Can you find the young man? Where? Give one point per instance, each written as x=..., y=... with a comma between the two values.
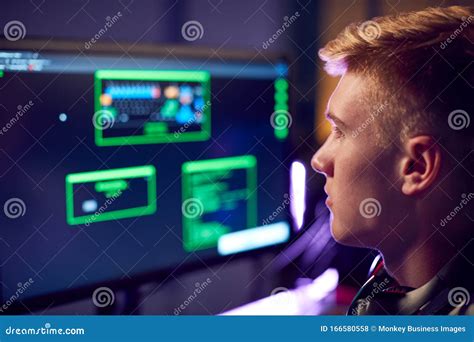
x=399, y=161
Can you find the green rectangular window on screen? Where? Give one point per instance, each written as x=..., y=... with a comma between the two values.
x=105, y=195
x=151, y=106
x=219, y=197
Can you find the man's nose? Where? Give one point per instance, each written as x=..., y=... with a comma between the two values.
x=322, y=162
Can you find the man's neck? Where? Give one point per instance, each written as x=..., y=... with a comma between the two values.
x=418, y=264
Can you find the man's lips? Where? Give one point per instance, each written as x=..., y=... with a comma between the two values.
x=328, y=202
x=328, y=199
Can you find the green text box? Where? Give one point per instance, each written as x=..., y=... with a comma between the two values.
x=199, y=234
x=115, y=178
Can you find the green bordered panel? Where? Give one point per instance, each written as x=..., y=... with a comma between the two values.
x=281, y=117
x=151, y=106
x=107, y=194
x=219, y=196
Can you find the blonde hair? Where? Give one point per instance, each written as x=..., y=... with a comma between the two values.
x=420, y=64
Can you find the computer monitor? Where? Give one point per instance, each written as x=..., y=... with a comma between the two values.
x=122, y=164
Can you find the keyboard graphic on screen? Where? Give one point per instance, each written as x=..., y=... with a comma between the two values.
x=149, y=107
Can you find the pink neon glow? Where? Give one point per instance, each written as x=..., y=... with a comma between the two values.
x=309, y=299
x=297, y=192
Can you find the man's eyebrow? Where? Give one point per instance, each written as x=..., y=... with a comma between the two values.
x=331, y=117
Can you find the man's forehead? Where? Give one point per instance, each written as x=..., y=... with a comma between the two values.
x=347, y=98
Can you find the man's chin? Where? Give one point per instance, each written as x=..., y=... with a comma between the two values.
x=345, y=236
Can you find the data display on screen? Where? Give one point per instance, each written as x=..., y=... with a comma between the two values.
x=118, y=168
x=110, y=194
x=219, y=196
x=148, y=107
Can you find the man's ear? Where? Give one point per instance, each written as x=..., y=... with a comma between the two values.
x=421, y=164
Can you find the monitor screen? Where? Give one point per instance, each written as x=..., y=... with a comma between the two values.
x=115, y=165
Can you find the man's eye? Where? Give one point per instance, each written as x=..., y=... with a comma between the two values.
x=337, y=132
